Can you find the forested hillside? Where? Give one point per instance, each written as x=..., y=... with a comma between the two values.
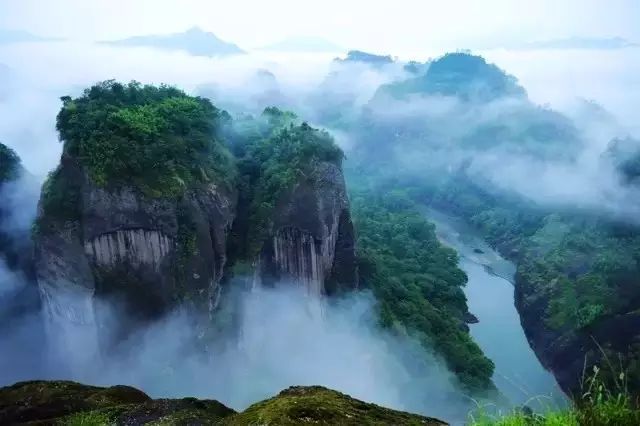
x=577, y=266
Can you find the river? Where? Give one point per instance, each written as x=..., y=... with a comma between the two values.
x=519, y=375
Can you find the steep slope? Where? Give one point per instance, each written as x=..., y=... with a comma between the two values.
x=418, y=283
x=576, y=281
x=73, y=403
x=20, y=323
x=295, y=221
x=137, y=212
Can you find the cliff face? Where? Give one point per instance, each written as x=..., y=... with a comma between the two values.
x=134, y=222
x=148, y=255
x=312, y=242
x=20, y=323
x=571, y=354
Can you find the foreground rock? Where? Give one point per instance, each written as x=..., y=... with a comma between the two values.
x=63, y=402
x=318, y=405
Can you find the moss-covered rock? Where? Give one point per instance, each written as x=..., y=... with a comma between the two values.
x=186, y=411
x=70, y=403
x=44, y=401
x=319, y=405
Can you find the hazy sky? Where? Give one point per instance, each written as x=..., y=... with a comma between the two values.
x=367, y=24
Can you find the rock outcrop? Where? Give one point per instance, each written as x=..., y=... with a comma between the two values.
x=570, y=355
x=134, y=222
x=62, y=402
x=148, y=255
x=313, y=241
x=20, y=323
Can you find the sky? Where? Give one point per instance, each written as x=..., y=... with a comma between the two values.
x=379, y=26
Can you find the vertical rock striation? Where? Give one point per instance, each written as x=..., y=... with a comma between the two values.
x=313, y=240
x=144, y=255
x=137, y=247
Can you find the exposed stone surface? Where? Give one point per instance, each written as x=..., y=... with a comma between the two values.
x=313, y=239
x=570, y=354
x=136, y=246
x=63, y=402
x=147, y=254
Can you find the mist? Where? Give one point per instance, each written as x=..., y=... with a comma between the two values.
x=283, y=342
x=285, y=337
x=498, y=144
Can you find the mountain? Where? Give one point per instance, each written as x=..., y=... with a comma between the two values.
x=304, y=44
x=365, y=58
x=463, y=75
x=122, y=228
x=194, y=41
x=19, y=36
x=468, y=130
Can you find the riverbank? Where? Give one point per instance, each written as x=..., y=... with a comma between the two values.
x=519, y=375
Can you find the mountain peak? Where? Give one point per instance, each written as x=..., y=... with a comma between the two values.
x=194, y=41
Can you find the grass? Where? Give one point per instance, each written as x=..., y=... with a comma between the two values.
x=605, y=401
x=88, y=418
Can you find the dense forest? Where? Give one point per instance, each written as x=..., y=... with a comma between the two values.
x=417, y=282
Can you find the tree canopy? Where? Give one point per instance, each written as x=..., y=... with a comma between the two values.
x=156, y=138
x=9, y=163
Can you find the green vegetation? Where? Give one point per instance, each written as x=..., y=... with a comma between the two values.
x=417, y=282
x=156, y=138
x=625, y=156
x=60, y=198
x=577, y=272
x=88, y=418
x=459, y=74
x=9, y=163
x=598, y=405
x=74, y=404
x=186, y=247
x=583, y=269
x=274, y=152
x=318, y=405
x=587, y=265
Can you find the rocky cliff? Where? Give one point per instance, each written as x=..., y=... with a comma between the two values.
x=294, y=222
x=312, y=242
x=125, y=238
x=134, y=222
x=41, y=402
x=146, y=254
x=20, y=325
x=612, y=344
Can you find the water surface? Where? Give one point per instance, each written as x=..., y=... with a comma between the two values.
x=519, y=375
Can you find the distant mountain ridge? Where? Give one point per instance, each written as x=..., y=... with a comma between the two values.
x=366, y=57
x=194, y=41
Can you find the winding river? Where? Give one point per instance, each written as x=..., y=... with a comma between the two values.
x=490, y=296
